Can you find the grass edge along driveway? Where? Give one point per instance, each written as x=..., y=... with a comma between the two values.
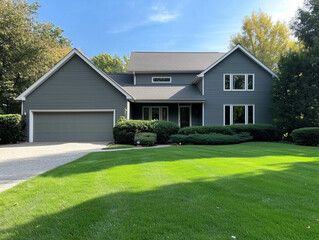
x=250, y=191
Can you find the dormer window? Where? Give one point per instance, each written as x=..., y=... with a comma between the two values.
x=239, y=82
x=161, y=79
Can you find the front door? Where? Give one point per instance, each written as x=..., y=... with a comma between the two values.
x=185, y=116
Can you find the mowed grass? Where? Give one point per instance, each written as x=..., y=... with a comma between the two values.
x=250, y=191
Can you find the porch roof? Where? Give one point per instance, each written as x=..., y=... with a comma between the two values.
x=165, y=93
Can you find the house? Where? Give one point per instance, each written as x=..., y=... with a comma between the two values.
x=76, y=101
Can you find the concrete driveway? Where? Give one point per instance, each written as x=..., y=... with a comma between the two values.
x=19, y=162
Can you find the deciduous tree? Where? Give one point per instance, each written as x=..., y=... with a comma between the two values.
x=264, y=39
x=110, y=64
x=28, y=49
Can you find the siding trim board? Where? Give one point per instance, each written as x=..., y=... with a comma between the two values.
x=32, y=111
x=64, y=60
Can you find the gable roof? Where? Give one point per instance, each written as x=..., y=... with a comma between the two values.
x=169, y=62
x=238, y=46
x=64, y=60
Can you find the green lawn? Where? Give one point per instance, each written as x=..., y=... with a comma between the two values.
x=118, y=146
x=249, y=190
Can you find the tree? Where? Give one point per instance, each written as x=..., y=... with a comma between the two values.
x=296, y=91
x=296, y=100
x=110, y=64
x=306, y=24
x=28, y=49
x=264, y=39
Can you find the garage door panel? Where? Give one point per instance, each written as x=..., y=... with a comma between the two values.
x=73, y=126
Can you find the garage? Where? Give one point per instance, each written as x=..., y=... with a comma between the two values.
x=71, y=125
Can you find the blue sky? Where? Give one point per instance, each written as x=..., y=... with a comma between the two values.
x=119, y=27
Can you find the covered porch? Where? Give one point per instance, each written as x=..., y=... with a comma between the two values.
x=184, y=114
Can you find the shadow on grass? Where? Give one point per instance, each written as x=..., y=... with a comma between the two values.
x=271, y=205
x=95, y=162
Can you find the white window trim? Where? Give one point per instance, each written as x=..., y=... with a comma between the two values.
x=170, y=79
x=31, y=117
x=160, y=112
x=231, y=113
x=231, y=82
x=179, y=114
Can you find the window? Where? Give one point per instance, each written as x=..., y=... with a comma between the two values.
x=239, y=82
x=161, y=79
x=155, y=113
x=239, y=114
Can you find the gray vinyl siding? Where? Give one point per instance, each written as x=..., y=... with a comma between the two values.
x=73, y=126
x=216, y=97
x=76, y=86
x=177, y=78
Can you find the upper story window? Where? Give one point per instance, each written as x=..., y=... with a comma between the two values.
x=239, y=82
x=161, y=79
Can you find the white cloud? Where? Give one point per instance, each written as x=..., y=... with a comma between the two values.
x=163, y=17
x=161, y=14
x=284, y=10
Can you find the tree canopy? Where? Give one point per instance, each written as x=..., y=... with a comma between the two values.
x=28, y=49
x=296, y=91
x=110, y=64
x=264, y=39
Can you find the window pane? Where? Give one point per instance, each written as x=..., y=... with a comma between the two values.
x=155, y=113
x=239, y=114
x=238, y=81
x=250, y=82
x=146, y=113
x=161, y=79
x=250, y=114
x=227, y=81
x=164, y=114
x=227, y=115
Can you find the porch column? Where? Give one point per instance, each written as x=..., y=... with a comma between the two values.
x=203, y=114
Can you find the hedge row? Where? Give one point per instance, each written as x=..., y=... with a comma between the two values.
x=306, y=136
x=12, y=128
x=206, y=130
x=124, y=131
x=211, y=138
x=259, y=132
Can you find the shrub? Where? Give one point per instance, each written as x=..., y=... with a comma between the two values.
x=124, y=132
x=164, y=130
x=259, y=132
x=206, y=130
x=12, y=128
x=145, y=138
x=211, y=139
x=306, y=136
x=121, y=119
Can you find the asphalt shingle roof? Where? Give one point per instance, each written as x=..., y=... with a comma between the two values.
x=165, y=93
x=172, y=61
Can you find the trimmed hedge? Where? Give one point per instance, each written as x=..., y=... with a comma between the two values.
x=124, y=131
x=206, y=130
x=145, y=138
x=164, y=130
x=12, y=128
x=259, y=132
x=211, y=139
x=306, y=136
